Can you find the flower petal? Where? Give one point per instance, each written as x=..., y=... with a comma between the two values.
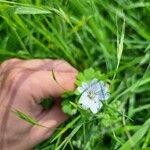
x=95, y=88
x=93, y=81
x=103, y=94
x=92, y=95
x=85, y=85
x=84, y=101
x=82, y=88
x=95, y=107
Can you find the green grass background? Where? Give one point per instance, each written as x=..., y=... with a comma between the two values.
x=110, y=35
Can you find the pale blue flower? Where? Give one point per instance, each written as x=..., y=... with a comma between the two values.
x=92, y=94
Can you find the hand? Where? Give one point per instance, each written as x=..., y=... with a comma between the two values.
x=23, y=85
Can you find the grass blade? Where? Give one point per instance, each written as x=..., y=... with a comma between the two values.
x=137, y=136
x=30, y=10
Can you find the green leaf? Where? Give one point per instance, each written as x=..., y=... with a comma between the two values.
x=68, y=94
x=67, y=107
x=87, y=75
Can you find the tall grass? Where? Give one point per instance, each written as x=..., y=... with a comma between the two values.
x=112, y=36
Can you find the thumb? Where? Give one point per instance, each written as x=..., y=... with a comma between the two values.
x=49, y=83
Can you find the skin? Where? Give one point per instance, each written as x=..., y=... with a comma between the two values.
x=23, y=85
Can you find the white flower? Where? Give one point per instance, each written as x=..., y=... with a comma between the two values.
x=92, y=95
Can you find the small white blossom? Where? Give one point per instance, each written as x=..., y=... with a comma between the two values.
x=92, y=95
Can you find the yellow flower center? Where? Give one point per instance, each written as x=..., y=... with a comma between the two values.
x=91, y=95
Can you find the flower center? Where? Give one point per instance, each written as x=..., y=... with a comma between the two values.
x=91, y=95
